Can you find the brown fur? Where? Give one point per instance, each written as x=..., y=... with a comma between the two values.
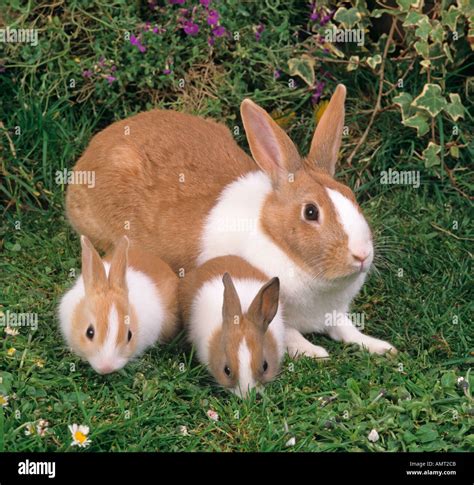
x=102, y=293
x=157, y=185
x=251, y=325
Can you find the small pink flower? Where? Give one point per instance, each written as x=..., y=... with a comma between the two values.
x=87, y=73
x=205, y=3
x=212, y=415
x=219, y=31
x=111, y=79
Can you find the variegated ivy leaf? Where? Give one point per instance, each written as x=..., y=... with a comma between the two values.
x=447, y=51
x=413, y=18
x=426, y=63
x=347, y=17
x=423, y=48
x=304, y=68
x=437, y=32
x=455, y=109
x=430, y=99
x=450, y=17
x=418, y=121
x=404, y=5
x=374, y=61
x=424, y=28
x=430, y=155
x=454, y=151
x=404, y=100
x=353, y=63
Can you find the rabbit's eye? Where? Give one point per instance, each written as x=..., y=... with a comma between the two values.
x=227, y=370
x=90, y=332
x=129, y=336
x=311, y=212
x=265, y=366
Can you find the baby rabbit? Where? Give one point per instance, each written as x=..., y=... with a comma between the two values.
x=118, y=307
x=232, y=316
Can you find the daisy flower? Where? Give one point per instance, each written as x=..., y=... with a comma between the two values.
x=79, y=435
x=3, y=401
x=30, y=429
x=11, y=331
x=11, y=351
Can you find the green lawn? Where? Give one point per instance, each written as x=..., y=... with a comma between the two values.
x=419, y=298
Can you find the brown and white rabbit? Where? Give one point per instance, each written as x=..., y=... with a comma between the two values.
x=119, y=307
x=189, y=194
x=233, y=318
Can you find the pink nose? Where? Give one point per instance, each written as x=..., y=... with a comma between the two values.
x=105, y=369
x=360, y=256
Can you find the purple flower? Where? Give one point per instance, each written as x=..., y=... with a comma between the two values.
x=219, y=31
x=190, y=28
x=213, y=17
x=102, y=61
x=111, y=79
x=205, y=3
x=211, y=40
x=167, y=71
x=136, y=42
x=87, y=73
x=318, y=91
x=276, y=73
x=113, y=68
x=259, y=31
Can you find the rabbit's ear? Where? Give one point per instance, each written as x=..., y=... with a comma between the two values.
x=328, y=135
x=264, y=306
x=271, y=147
x=231, y=309
x=118, y=265
x=93, y=270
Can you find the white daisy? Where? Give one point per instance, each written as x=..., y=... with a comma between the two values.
x=3, y=401
x=79, y=435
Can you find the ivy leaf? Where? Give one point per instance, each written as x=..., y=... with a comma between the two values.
x=413, y=18
x=430, y=99
x=374, y=61
x=430, y=155
x=423, y=48
x=347, y=17
x=454, y=151
x=418, y=121
x=455, y=109
x=404, y=100
x=353, y=63
x=424, y=28
x=304, y=68
x=437, y=33
x=450, y=17
x=404, y=5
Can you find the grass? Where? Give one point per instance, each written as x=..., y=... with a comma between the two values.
x=419, y=298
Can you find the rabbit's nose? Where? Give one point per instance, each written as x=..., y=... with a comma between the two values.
x=361, y=256
x=105, y=368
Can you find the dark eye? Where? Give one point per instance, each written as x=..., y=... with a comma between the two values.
x=311, y=212
x=90, y=332
x=129, y=336
x=265, y=366
x=227, y=370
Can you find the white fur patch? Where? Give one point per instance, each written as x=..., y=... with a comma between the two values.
x=206, y=313
x=354, y=224
x=246, y=379
x=307, y=299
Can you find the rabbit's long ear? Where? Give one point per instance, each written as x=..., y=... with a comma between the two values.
x=264, y=306
x=93, y=271
x=328, y=135
x=118, y=265
x=271, y=147
x=231, y=309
